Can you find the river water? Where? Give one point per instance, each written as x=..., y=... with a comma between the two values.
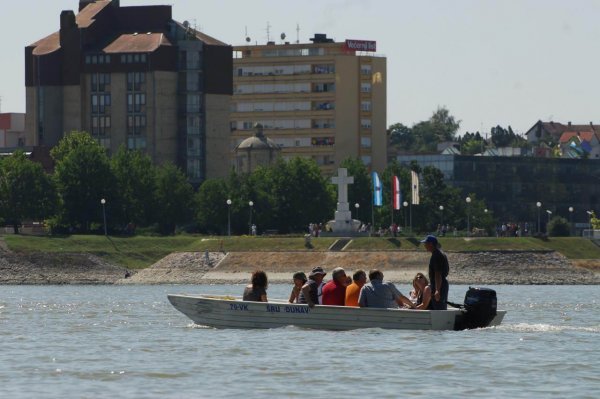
x=128, y=341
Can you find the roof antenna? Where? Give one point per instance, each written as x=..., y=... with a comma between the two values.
x=297, y=33
x=247, y=37
x=268, y=31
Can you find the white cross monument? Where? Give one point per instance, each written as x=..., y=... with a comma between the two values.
x=343, y=216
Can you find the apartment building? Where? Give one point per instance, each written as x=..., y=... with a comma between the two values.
x=323, y=100
x=133, y=76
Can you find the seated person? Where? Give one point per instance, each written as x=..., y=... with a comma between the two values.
x=377, y=294
x=359, y=278
x=311, y=291
x=334, y=292
x=423, y=292
x=299, y=280
x=256, y=291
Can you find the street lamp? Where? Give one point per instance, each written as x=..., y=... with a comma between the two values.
x=228, y=218
x=357, y=205
x=571, y=219
x=103, y=202
x=468, y=199
x=548, y=222
x=405, y=205
x=442, y=216
x=539, y=205
x=251, y=204
x=590, y=214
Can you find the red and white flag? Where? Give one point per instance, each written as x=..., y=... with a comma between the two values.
x=396, y=195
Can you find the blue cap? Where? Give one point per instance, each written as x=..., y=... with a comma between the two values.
x=431, y=239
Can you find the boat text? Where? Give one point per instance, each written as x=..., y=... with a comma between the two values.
x=287, y=309
x=235, y=306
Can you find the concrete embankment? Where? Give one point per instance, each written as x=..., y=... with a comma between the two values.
x=399, y=266
x=235, y=267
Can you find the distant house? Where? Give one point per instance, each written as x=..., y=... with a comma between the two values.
x=12, y=130
x=575, y=144
x=552, y=131
x=504, y=152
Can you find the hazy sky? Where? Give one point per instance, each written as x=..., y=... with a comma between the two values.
x=507, y=62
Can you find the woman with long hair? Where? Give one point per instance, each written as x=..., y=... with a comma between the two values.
x=422, y=291
x=256, y=291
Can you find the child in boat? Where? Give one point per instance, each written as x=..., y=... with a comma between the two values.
x=256, y=291
x=299, y=280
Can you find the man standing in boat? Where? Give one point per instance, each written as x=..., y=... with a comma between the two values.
x=438, y=273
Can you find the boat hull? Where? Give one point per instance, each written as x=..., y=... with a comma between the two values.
x=229, y=312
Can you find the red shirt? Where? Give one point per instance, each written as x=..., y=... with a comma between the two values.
x=334, y=294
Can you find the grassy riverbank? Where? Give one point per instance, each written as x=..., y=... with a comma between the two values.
x=140, y=252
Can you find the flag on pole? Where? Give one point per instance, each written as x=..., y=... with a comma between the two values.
x=396, y=195
x=377, y=196
x=415, y=187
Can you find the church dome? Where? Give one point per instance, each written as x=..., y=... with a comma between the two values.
x=257, y=142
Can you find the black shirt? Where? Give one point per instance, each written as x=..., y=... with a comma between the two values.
x=438, y=263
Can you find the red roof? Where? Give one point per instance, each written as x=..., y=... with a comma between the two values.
x=584, y=136
x=86, y=16
x=137, y=43
x=84, y=19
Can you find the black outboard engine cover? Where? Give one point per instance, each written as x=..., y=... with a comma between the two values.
x=480, y=307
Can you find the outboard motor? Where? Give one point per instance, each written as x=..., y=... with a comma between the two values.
x=480, y=308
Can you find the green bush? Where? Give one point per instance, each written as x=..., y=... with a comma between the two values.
x=559, y=227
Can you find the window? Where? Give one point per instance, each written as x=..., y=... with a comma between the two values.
x=324, y=68
x=100, y=102
x=365, y=106
x=324, y=87
x=99, y=82
x=100, y=125
x=365, y=142
x=365, y=87
x=135, y=81
x=365, y=123
x=365, y=69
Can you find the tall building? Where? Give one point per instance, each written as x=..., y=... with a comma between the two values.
x=323, y=100
x=133, y=76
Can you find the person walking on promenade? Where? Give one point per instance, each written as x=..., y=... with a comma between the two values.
x=438, y=273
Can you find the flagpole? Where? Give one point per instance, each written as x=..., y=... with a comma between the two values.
x=372, y=204
x=410, y=211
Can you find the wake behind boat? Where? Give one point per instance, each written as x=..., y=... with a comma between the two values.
x=231, y=312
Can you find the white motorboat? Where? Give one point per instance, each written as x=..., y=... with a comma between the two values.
x=232, y=312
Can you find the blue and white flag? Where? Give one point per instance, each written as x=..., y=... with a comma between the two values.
x=377, y=195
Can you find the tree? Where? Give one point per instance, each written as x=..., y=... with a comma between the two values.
x=558, y=227
x=83, y=177
x=174, y=196
x=444, y=125
x=402, y=136
x=136, y=184
x=211, y=206
x=26, y=191
x=302, y=194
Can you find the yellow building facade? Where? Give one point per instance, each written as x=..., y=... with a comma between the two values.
x=324, y=100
